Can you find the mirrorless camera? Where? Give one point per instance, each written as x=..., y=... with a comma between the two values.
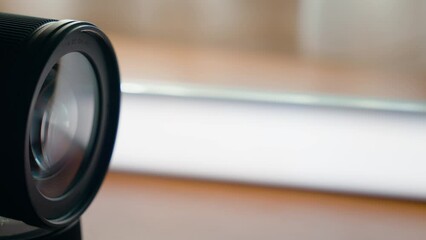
x=59, y=114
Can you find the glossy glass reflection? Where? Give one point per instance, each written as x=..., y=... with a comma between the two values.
x=63, y=123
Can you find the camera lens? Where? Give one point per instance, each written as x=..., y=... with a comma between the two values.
x=63, y=124
x=61, y=97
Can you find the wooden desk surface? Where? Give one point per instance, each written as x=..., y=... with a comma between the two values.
x=148, y=207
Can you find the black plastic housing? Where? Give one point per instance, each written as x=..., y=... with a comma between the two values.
x=29, y=47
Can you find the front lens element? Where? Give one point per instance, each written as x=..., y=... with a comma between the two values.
x=63, y=123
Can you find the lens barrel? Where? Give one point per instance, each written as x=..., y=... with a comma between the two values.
x=60, y=104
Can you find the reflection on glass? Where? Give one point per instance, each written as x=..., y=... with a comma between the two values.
x=63, y=123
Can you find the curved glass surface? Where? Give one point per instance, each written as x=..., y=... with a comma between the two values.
x=63, y=123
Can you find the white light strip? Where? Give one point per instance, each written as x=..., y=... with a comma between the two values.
x=192, y=91
x=375, y=152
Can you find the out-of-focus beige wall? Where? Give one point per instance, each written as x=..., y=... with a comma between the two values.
x=254, y=24
x=380, y=34
x=43, y=8
x=266, y=24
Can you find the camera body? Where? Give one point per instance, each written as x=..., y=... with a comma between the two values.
x=12, y=229
x=61, y=98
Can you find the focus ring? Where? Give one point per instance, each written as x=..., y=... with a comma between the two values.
x=14, y=31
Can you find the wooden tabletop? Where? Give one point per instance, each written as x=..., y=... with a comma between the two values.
x=131, y=206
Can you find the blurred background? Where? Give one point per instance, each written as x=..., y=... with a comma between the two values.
x=354, y=48
x=290, y=107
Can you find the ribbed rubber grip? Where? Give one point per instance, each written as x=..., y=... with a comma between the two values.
x=14, y=31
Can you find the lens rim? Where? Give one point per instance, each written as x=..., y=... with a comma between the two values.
x=46, y=47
